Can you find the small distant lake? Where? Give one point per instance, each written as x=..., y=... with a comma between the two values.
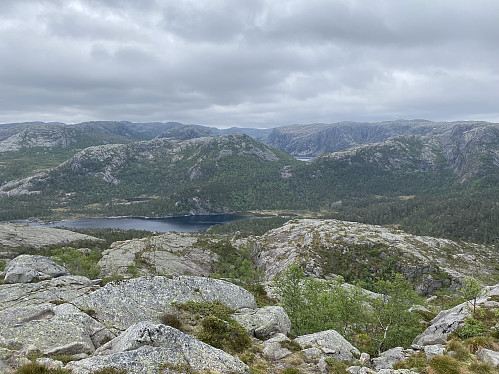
x=179, y=224
x=305, y=159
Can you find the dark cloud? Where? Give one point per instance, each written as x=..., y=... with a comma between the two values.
x=251, y=63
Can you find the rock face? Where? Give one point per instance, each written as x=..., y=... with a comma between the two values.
x=447, y=321
x=318, y=139
x=61, y=329
x=61, y=289
x=28, y=268
x=147, y=347
x=488, y=356
x=264, y=322
x=121, y=304
x=322, y=245
x=387, y=359
x=36, y=236
x=331, y=343
x=170, y=253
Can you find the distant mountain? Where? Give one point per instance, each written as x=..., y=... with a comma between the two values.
x=318, y=139
x=436, y=180
x=203, y=175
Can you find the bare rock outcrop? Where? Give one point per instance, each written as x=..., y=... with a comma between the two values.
x=170, y=253
x=29, y=268
x=147, y=348
x=264, y=322
x=327, y=246
x=120, y=304
x=447, y=321
x=330, y=343
x=12, y=235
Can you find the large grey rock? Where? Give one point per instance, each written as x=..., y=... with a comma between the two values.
x=360, y=370
x=169, y=253
x=61, y=329
x=331, y=343
x=488, y=356
x=387, y=359
x=65, y=288
x=12, y=235
x=447, y=321
x=146, y=347
x=444, y=324
x=264, y=322
x=434, y=350
x=273, y=349
x=29, y=268
x=120, y=304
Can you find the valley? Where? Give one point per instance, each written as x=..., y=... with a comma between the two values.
x=366, y=258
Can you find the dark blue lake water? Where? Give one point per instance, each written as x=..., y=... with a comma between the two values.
x=179, y=224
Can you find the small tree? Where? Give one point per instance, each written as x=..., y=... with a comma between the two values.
x=392, y=324
x=471, y=290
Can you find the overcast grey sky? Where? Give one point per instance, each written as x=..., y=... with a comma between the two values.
x=255, y=63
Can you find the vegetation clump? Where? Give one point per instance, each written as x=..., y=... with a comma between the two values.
x=315, y=305
x=227, y=335
x=172, y=320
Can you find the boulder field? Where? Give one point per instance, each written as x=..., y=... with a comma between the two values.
x=46, y=312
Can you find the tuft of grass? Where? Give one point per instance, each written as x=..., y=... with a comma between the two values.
x=291, y=345
x=444, y=365
x=417, y=360
x=481, y=368
x=290, y=371
x=478, y=342
x=207, y=308
x=461, y=351
x=33, y=368
x=228, y=335
x=172, y=320
x=336, y=366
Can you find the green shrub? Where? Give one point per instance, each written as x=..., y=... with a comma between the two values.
x=461, y=352
x=171, y=320
x=417, y=360
x=478, y=342
x=291, y=345
x=33, y=368
x=472, y=327
x=336, y=366
x=207, y=308
x=227, y=335
x=290, y=371
x=445, y=365
x=2, y=265
x=77, y=262
x=481, y=368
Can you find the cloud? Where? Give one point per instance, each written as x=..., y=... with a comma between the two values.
x=260, y=63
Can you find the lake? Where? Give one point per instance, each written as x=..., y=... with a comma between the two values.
x=179, y=224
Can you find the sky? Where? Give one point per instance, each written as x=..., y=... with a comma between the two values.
x=251, y=63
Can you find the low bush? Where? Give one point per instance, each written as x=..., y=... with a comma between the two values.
x=417, y=360
x=444, y=365
x=227, y=335
x=472, y=327
x=335, y=366
x=172, y=320
x=207, y=308
x=33, y=368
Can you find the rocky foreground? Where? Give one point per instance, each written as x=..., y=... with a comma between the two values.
x=47, y=313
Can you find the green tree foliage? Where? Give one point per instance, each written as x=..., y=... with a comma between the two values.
x=471, y=290
x=391, y=323
x=378, y=322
